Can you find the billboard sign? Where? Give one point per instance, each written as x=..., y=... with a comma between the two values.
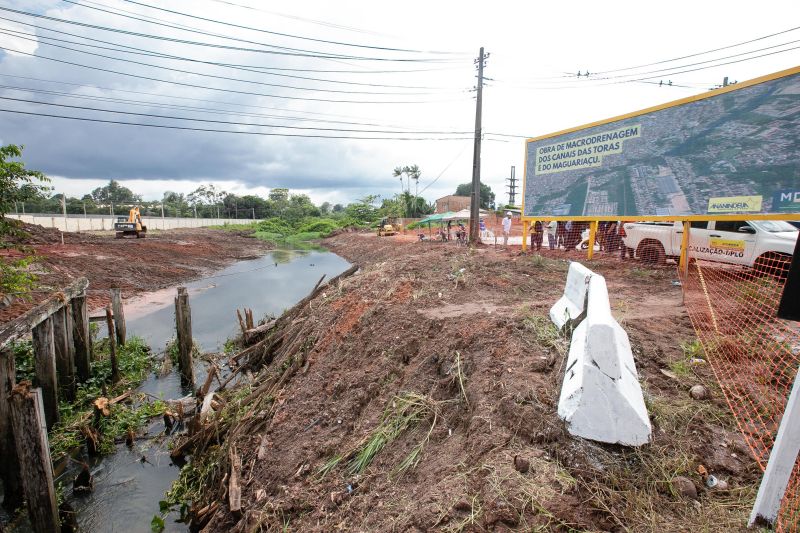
x=731, y=151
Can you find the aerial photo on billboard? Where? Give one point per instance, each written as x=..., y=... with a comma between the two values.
x=732, y=152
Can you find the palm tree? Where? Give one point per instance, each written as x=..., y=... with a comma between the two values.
x=398, y=172
x=414, y=173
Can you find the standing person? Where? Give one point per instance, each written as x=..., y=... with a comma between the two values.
x=552, y=234
x=622, y=248
x=506, y=228
x=536, y=236
x=561, y=234
x=482, y=225
x=602, y=229
x=569, y=236
x=611, y=237
x=449, y=225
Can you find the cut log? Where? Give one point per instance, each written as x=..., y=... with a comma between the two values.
x=183, y=322
x=65, y=352
x=119, y=316
x=250, y=334
x=30, y=435
x=21, y=326
x=207, y=384
x=112, y=345
x=81, y=338
x=241, y=322
x=9, y=465
x=44, y=352
x=234, y=489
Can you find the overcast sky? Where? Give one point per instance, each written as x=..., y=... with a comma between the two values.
x=536, y=48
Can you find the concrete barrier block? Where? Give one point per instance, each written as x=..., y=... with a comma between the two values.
x=573, y=302
x=601, y=398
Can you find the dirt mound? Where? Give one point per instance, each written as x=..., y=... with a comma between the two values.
x=31, y=234
x=163, y=259
x=380, y=407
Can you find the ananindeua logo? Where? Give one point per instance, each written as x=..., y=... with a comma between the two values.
x=735, y=204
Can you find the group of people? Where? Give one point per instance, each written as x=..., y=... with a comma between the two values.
x=559, y=234
x=446, y=233
x=569, y=234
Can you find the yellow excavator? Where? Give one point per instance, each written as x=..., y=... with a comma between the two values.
x=132, y=226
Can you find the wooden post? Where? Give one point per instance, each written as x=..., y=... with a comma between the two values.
x=112, y=345
x=81, y=338
x=30, y=436
x=119, y=315
x=183, y=323
x=9, y=465
x=44, y=353
x=65, y=351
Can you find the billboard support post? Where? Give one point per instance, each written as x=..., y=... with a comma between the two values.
x=592, y=235
x=525, y=235
x=683, y=263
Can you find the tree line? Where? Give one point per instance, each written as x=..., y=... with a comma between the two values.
x=208, y=201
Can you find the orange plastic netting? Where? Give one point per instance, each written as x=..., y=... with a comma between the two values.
x=753, y=354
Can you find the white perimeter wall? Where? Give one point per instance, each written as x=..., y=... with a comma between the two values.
x=99, y=223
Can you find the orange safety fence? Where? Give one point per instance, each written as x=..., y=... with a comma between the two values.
x=754, y=355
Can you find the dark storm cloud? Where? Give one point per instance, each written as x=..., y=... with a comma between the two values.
x=75, y=149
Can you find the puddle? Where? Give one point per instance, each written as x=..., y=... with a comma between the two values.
x=130, y=483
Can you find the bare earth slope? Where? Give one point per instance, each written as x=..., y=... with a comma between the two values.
x=162, y=259
x=441, y=360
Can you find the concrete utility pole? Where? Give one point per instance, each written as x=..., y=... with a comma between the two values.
x=475, y=204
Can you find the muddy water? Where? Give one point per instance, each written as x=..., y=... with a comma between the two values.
x=130, y=483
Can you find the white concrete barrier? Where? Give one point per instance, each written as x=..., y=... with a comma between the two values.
x=572, y=303
x=80, y=223
x=601, y=398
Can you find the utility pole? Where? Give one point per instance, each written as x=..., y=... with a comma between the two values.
x=512, y=188
x=475, y=204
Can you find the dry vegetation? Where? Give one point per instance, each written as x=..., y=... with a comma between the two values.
x=420, y=394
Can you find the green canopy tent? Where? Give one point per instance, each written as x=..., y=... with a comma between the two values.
x=434, y=218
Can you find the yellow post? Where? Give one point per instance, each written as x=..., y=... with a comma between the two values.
x=683, y=263
x=592, y=235
x=525, y=236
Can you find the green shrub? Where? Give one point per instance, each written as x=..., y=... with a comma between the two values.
x=323, y=226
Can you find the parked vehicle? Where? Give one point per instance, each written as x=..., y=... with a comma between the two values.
x=753, y=243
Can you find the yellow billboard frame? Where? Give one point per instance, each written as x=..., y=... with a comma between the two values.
x=528, y=221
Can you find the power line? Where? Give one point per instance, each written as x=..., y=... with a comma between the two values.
x=702, y=53
x=189, y=108
x=186, y=98
x=232, y=91
x=663, y=73
x=248, y=68
x=445, y=168
x=280, y=126
x=258, y=133
x=302, y=19
x=567, y=75
x=226, y=78
x=224, y=47
x=666, y=72
x=339, y=43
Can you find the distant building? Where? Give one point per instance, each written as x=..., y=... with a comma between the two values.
x=452, y=203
